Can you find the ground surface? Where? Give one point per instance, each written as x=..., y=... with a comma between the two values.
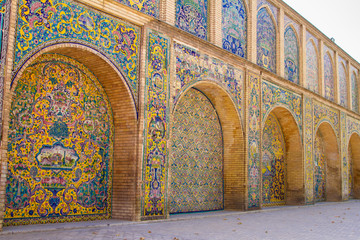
x=321, y=221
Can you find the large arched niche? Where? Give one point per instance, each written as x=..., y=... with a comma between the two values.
x=328, y=143
x=293, y=179
x=354, y=166
x=124, y=185
x=234, y=174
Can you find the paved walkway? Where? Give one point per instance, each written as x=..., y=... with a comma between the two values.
x=320, y=221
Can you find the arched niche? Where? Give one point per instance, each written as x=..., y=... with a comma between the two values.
x=294, y=190
x=330, y=150
x=124, y=174
x=234, y=166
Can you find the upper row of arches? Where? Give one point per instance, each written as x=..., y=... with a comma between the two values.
x=326, y=74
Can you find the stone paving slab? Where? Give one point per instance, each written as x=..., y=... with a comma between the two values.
x=320, y=221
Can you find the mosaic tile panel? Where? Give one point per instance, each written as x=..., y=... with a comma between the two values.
x=351, y=173
x=329, y=77
x=273, y=163
x=288, y=21
x=291, y=52
x=196, y=161
x=4, y=28
x=191, y=16
x=343, y=92
x=4, y=31
x=254, y=146
x=352, y=126
x=155, y=129
x=41, y=22
x=266, y=41
x=312, y=72
x=344, y=157
x=273, y=96
x=60, y=145
x=355, y=92
x=150, y=7
x=274, y=10
x=234, y=27
x=323, y=113
x=193, y=66
x=319, y=169
x=308, y=138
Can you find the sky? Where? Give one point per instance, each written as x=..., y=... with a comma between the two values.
x=336, y=19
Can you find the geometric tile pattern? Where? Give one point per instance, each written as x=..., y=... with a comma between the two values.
x=41, y=22
x=273, y=163
x=196, y=161
x=234, y=27
x=60, y=145
x=155, y=129
x=266, y=40
x=191, y=16
x=291, y=51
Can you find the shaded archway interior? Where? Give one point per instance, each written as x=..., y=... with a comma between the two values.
x=354, y=144
x=295, y=191
x=125, y=183
x=233, y=140
x=333, y=162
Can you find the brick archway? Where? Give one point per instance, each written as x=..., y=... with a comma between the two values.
x=234, y=166
x=354, y=165
x=294, y=165
x=125, y=163
x=330, y=147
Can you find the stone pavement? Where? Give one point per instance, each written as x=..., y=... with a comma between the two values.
x=320, y=221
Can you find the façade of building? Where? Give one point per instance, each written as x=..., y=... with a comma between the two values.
x=139, y=109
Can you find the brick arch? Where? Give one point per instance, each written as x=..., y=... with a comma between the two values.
x=125, y=163
x=233, y=141
x=333, y=190
x=294, y=191
x=354, y=143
